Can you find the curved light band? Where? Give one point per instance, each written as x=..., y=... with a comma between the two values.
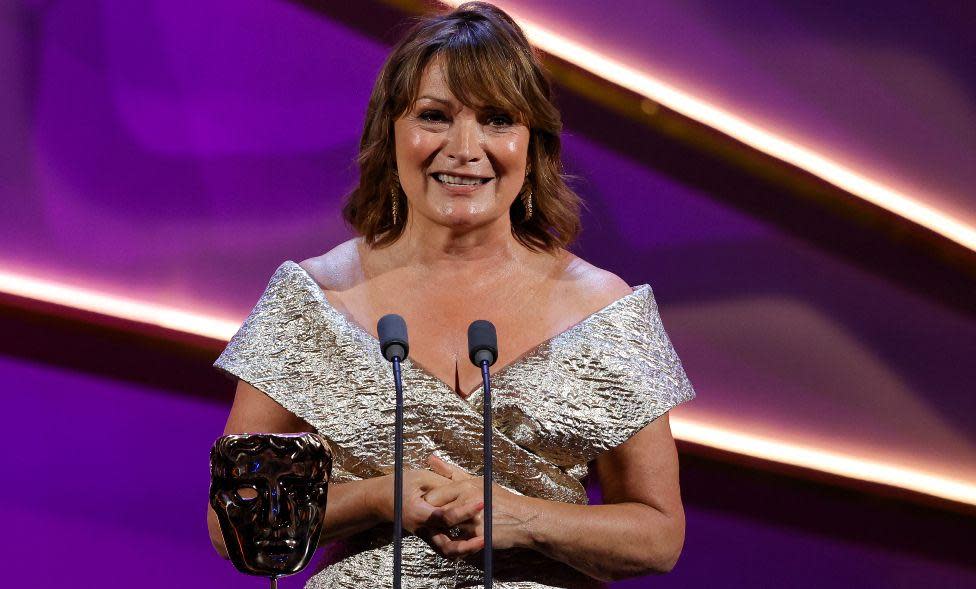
x=769, y=143
x=684, y=429
x=823, y=460
x=116, y=306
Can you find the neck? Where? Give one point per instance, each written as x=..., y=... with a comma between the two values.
x=441, y=248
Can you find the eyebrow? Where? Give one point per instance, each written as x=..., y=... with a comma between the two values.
x=434, y=98
x=449, y=103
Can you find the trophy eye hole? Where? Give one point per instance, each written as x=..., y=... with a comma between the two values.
x=247, y=493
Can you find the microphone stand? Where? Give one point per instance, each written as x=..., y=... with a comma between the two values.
x=487, y=444
x=392, y=331
x=483, y=352
x=398, y=476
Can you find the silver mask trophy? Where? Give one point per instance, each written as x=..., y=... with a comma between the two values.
x=269, y=492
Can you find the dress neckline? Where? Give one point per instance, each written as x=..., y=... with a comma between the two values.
x=521, y=358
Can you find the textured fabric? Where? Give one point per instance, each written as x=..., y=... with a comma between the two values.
x=558, y=406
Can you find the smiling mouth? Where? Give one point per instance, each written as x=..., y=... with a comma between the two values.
x=449, y=180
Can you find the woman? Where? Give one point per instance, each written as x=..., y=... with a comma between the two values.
x=463, y=214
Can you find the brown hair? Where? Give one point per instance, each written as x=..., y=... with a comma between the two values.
x=487, y=60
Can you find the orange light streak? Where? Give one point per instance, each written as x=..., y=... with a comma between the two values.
x=823, y=459
x=116, y=306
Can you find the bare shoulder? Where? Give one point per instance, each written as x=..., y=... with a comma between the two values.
x=337, y=269
x=592, y=286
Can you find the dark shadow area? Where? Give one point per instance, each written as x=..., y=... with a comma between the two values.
x=116, y=349
x=828, y=510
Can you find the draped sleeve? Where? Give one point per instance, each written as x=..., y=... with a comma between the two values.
x=650, y=378
x=294, y=348
x=283, y=347
x=592, y=387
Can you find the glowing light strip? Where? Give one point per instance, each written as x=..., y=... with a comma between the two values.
x=115, y=306
x=688, y=430
x=823, y=460
x=752, y=135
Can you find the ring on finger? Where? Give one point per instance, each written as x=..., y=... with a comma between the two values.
x=454, y=533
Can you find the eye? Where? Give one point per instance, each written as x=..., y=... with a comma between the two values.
x=247, y=493
x=500, y=120
x=432, y=116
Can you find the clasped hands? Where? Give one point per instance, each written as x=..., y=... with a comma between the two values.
x=445, y=506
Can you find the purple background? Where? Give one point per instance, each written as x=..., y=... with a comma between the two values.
x=177, y=152
x=886, y=88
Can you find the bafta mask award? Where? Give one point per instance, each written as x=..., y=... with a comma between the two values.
x=269, y=492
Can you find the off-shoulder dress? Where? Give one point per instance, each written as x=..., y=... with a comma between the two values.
x=556, y=408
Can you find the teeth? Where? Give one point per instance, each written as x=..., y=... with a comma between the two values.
x=459, y=180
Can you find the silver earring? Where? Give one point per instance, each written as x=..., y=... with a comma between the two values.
x=527, y=202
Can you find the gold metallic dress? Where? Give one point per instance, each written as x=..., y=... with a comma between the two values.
x=556, y=408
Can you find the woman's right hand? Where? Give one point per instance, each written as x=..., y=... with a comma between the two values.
x=422, y=518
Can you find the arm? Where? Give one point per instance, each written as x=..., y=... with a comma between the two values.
x=641, y=527
x=638, y=531
x=352, y=506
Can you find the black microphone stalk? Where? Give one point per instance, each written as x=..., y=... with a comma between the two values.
x=392, y=332
x=483, y=352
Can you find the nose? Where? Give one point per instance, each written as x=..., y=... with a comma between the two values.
x=464, y=141
x=278, y=511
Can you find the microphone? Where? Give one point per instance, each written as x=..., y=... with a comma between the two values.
x=392, y=331
x=482, y=342
x=483, y=352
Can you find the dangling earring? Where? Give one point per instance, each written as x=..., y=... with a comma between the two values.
x=395, y=198
x=527, y=202
x=527, y=197
x=394, y=207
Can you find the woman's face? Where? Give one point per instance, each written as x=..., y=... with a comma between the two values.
x=458, y=166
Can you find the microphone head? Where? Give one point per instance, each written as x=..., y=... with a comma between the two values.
x=392, y=331
x=482, y=342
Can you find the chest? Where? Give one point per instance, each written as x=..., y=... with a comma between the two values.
x=557, y=406
x=438, y=318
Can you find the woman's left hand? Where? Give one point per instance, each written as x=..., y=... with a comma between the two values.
x=509, y=511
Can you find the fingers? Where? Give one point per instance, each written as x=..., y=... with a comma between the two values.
x=457, y=548
x=427, y=480
x=446, y=469
x=442, y=495
x=465, y=491
x=452, y=516
x=440, y=467
x=423, y=511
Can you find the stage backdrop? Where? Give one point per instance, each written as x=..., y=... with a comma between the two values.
x=178, y=152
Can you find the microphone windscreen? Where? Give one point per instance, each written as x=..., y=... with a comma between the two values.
x=482, y=342
x=392, y=332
